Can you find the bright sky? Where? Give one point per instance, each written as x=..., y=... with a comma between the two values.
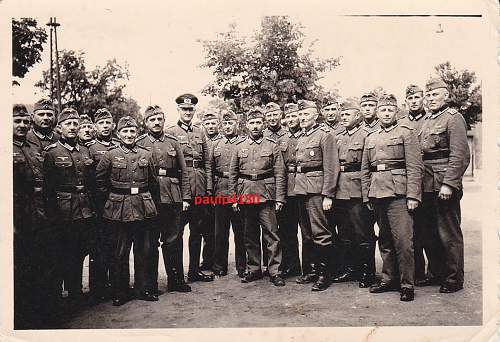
x=159, y=43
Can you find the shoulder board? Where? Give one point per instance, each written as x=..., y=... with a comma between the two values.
x=344, y=132
x=49, y=147
x=452, y=111
x=142, y=136
x=324, y=128
x=405, y=126
x=170, y=136
x=270, y=139
x=112, y=147
x=171, y=126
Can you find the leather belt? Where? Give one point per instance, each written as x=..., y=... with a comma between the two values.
x=436, y=155
x=172, y=173
x=304, y=169
x=224, y=174
x=197, y=164
x=129, y=191
x=71, y=188
x=257, y=176
x=387, y=165
x=350, y=167
x=292, y=169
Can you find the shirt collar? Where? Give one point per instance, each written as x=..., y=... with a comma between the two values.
x=354, y=130
x=127, y=150
x=232, y=140
x=68, y=146
x=104, y=142
x=216, y=137
x=334, y=126
x=435, y=115
x=390, y=128
x=42, y=136
x=312, y=129
x=258, y=141
x=153, y=139
x=18, y=142
x=297, y=133
x=373, y=123
x=417, y=116
x=186, y=127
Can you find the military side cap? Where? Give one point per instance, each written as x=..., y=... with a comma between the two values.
x=368, y=97
x=68, y=113
x=102, y=113
x=126, y=121
x=330, y=101
x=255, y=113
x=290, y=108
x=305, y=104
x=152, y=110
x=413, y=89
x=186, y=100
x=349, y=103
x=43, y=104
x=229, y=115
x=19, y=110
x=85, y=119
x=208, y=115
x=387, y=100
x=435, y=83
x=272, y=107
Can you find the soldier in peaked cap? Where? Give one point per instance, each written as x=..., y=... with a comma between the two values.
x=356, y=245
x=125, y=176
x=220, y=157
x=195, y=150
x=67, y=170
x=43, y=120
x=175, y=194
x=391, y=177
x=443, y=137
x=368, y=105
x=257, y=170
x=330, y=112
x=273, y=115
x=317, y=171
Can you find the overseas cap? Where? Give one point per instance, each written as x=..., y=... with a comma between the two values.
x=272, y=107
x=19, y=110
x=186, y=100
x=255, y=113
x=350, y=103
x=330, y=101
x=413, y=89
x=229, y=115
x=305, y=104
x=102, y=113
x=435, y=83
x=126, y=121
x=387, y=100
x=209, y=115
x=290, y=108
x=85, y=119
x=152, y=110
x=43, y=104
x=68, y=113
x=368, y=97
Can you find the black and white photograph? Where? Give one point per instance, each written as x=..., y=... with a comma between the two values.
x=194, y=166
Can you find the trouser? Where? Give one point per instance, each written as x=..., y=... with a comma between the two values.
x=142, y=235
x=426, y=239
x=356, y=236
x=446, y=253
x=196, y=216
x=336, y=260
x=100, y=258
x=208, y=254
x=288, y=222
x=396, y=241
x=76, y=245
x=316, y=236
x=24, y=278
x=262, y=214
x=224, y=218
x=169, y=230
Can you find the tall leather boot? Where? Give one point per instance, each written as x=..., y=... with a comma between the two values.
x=345, y=257
x=366, y=253
x=323, y=269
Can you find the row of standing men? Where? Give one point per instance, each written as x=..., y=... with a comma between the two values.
x=334, y=180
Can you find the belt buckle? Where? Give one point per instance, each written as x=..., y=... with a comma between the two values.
x=381, y=167
x=299, y=169
x=225, y=174
x=38, y=189
x=254, y=177
x=162, y=172
x=342, y=168
x=79, y=187
x=134, y=190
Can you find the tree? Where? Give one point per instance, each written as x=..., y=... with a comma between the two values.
x=270, y=66
x=465, y=92
x=27, y=45
x=87, y=91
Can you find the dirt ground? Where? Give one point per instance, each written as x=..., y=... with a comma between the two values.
x=228, y=303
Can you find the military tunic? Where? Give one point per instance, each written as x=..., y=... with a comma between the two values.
x=446, y=155
x=41, y=140
x=372, y=126
x=275, y=135
x=257, y=169
x=414, y=120
x=392, y=173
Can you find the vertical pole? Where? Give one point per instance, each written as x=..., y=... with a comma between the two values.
x=57, y=68
x=51, y=65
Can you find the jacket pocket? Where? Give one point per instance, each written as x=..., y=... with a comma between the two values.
x=114, y=207
x=397, y=147
x=149, y=205
x=399, y=180
x=64, y=205
x=355, y=153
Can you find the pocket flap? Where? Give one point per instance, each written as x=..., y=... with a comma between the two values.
x=440, y=130
x=172, y=152
x=395, y=141
x=269, y=180
x=439, y=168
x=370, y=145
x=119, y=165
x=61, y=163
x=116, y=197
x=399, y=172
x=355, y=147
x=266, y=153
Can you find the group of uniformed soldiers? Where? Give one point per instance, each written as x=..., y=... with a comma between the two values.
x=83, y=191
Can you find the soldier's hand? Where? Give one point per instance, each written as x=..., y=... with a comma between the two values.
x=327, y=203
x=279, y=206
x=411, y=204
x=369, y=206
x=185, y=206
x=445, y=192
x=236, y=207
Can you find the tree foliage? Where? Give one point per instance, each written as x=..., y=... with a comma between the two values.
x=270, y=66
x=464, y=90
x=27, y=45
x=88, y=90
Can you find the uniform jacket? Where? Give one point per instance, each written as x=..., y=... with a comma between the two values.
x=40, y=140
x=444, y=132
x=211, y=141
x=414, y=121
x=170, y=167
x=67, y=182
x=397, y=143
x=373, y=126
x=255, y=157
x=336, y=128
x=220, y=159
x=317, y=148
x=275, y=135
x=98, y=149
x=288, y=146
x=126, y=177
x=350, y=145
x=194, y=148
